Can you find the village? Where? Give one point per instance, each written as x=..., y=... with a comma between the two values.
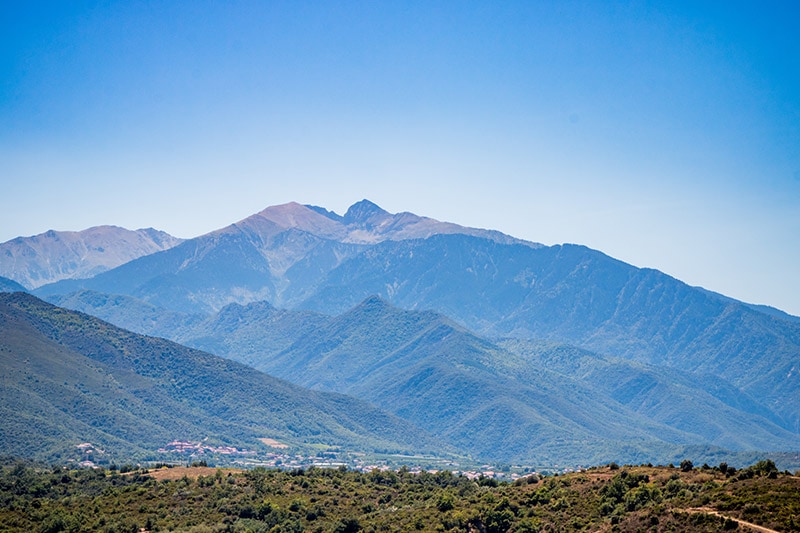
x=187, y=453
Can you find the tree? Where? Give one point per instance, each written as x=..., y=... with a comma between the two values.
x=347, y=525
x=686, y=465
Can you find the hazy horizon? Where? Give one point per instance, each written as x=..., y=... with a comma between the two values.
x=665, y=136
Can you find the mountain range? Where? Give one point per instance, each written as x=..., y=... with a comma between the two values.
x=56, y=255
x=281, y=255
x=505, y=348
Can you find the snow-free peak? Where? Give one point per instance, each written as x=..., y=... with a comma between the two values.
x=362, y=211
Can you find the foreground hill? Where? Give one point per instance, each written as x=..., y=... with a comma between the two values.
x=56, y=255
x=629, y=499
x=69, y=378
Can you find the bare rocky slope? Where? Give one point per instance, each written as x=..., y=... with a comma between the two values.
x=56, y=255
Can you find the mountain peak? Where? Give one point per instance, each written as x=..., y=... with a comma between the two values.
x=371, y=308
x=362, y=211
x=287, y=210
x=374, y=301
x=278, y=218
x=322, y=211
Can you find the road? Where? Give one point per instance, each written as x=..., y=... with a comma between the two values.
x=742, y=523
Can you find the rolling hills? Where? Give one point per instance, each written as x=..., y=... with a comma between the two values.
x=69, y=378
x=499, y=404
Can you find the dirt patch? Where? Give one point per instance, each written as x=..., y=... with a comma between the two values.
x=274, y=443
x=746, y=525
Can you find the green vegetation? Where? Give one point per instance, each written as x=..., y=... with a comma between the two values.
x=69, y=378
x=522, y=405
x=516, y=401
x=626, y=499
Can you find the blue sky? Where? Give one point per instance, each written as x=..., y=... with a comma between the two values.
x=664, y=134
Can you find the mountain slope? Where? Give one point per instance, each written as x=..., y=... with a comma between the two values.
x=249, y=261
x=251, y=332
x=9, y=285
x=695, y=403
x=575, y=295
x=427, y=370
x=487, y=400
x=129, y=313
x=70, y=378
x=254, y=332
x=304, y=257
x=56, y=255
x=705, y=406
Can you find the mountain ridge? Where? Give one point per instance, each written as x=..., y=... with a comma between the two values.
x=55, y=255
x=364, y=223
x=579, y=296
x=282, y=253
x=9, y=285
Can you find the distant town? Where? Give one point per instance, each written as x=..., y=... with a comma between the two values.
x=185, y=452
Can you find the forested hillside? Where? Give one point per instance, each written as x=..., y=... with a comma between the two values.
x=69, y=378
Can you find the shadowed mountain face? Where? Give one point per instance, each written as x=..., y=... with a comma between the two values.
x=575, y=295
x=56, y=255
x=281, y=254
x=70, y=378
x=307, y=258
x=9, y=285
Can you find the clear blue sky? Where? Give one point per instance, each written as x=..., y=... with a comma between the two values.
x=664, y=134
